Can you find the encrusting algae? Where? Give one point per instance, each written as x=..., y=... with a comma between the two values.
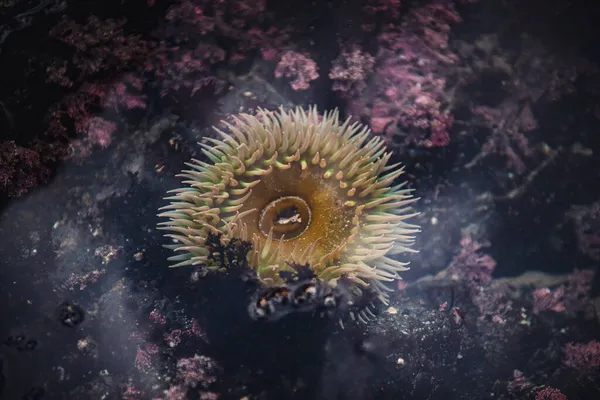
x=303, y=189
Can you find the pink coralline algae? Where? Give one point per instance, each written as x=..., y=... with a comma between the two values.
x=176, y=68
x=157, y=318
x=21, y=169
x=349, y=72
x=519, y=383
x=195, y=371
x=299, y=68
x=228, y=17
x=546, y=299
x=470, y=265
x=131, y=393
x=98, y=132
x=410, y=100
x=511, y=125
x=102, y=52
x=195, y=330
x=82, y=281
x=549, y=393
x=391, y=7
x=145, y=356
x=125, y=94
x=572, y=296
x=474, y=269
x=173, y=338
x=508, y=123
x=99, y=45
x=111, y=70
x=583, y=357
x=79, y=109
x=237, y=21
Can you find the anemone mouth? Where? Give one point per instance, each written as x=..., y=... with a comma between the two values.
x=303, y=189
x=285, y=218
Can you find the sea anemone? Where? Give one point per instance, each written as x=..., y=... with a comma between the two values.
x=303, y=189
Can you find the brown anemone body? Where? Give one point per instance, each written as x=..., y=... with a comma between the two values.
x=303, y=189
